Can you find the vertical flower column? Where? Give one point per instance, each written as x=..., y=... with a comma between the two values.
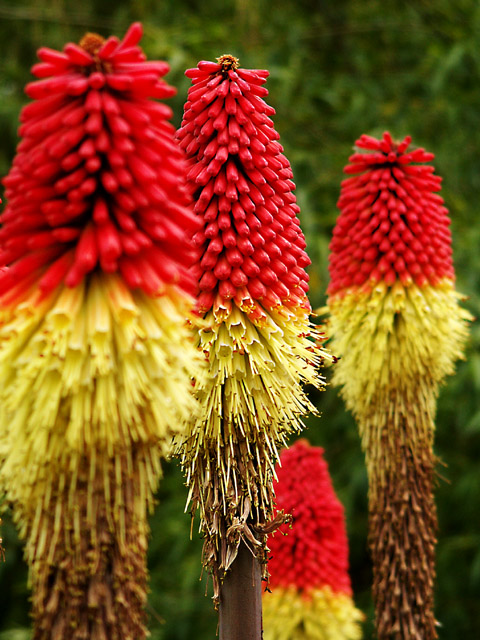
x=256, y=331
x=398, y=327
x=95, y=358
x=311, y=594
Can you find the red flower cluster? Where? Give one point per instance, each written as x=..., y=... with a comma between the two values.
x=98, y=180
x=392, y=225
x=314, y=553
x=251, y=243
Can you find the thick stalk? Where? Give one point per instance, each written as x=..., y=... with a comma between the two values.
x=241, y=598
x=403, y=523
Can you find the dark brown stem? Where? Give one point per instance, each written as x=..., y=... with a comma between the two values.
x=402, y=542
x=241, y=598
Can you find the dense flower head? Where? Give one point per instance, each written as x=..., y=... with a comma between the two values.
x=256, y=333
x=397, y=327
x=314, y=552
x=393, y=225
x=252, y=248
x=96, y=359
x=98, y=181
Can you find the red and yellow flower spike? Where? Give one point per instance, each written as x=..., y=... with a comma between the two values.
x=396, y=322
x=256, y=335
x=311, y=594
x=95, y=359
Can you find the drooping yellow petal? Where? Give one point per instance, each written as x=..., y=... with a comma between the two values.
x=96, y=382
x=94, y=366
x=395, y=337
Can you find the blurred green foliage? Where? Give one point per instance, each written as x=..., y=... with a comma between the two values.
x=339, y=68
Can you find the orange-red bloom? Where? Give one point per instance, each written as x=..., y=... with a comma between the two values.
x=314, y=553
x=392, y=224
x=252, y=247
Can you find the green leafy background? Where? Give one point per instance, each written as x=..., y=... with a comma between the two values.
x=339, y=68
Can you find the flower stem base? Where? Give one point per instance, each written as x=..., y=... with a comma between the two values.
x=240, y=611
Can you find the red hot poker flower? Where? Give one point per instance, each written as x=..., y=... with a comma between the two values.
x=252, y=296
x=315, y=551
x=89, y=188
x=396, y=322
x=309, y=578
x=96, y=360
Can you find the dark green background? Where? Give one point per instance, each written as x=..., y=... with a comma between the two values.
x=339, y=68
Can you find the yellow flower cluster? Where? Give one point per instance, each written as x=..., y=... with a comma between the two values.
x=96, y=380
x=320, y=614
x=92, y=368
x=252, y=400
x=399, y=337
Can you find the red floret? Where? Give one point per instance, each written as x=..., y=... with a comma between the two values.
x=392, y=224
x=98, y=180
x=250, y=242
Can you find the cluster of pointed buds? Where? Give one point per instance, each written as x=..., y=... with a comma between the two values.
x=392, y=223
x=251, y=244
x=89, y=187
x=397, y=325
x=309, y=580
